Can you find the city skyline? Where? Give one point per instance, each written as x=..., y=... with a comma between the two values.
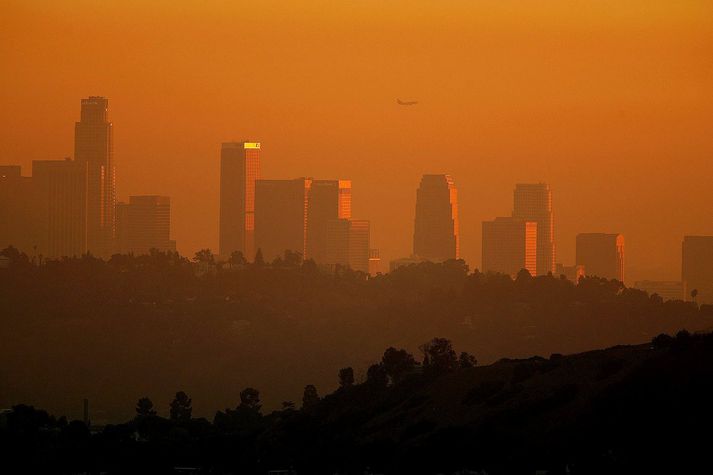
x=616, y=127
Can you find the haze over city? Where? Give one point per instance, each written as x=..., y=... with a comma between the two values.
x=608, y=103
x=356, y=237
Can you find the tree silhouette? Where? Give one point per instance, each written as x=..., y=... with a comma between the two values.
x=376, y=376
x=259, y=260
x=144, y=407
x=439, y=356
x=397, y=363
x=181, y=408
x=466, y=360
x=694, y=294
x=250, y=399
x=310, y=398
x=237, y=259
x=204, y=255
x=346, y=377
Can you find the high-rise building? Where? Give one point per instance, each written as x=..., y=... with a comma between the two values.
x=328, y=200
x=144, y=223
x=436, y=235
x=18, y=210
x=697, y=268
x=348, y=244
x=281, y=216
x=509, y=245
x=239, y=169
x=533, y=202
x=62, y=194
x=602, y=255
x=93, y=145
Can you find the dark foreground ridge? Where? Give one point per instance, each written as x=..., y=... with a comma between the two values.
x=626, y=409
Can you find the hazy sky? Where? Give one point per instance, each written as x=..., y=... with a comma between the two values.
x=611, y=102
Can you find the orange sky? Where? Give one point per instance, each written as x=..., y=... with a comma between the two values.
x=611, y=102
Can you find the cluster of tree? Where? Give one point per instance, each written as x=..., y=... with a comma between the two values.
x=570, y=414
x=88, y=328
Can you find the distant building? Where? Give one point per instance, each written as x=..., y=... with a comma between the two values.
x=374, y=262
x=533, y=202
x=404, y=262
x=573, y=273
x=602, y=255
x=697, y=268
x=436, y=234
x=329, y=200
x=18, y=210
x=62, y=192
x=509, y=245
x=94, y=147
x=667, y=290
x=348, y=244
x=281, y=216
x=239, y=169
x=144, y=223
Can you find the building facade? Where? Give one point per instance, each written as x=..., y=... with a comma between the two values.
x=697, y=268
x=62, y=193
x=18, y=210
x=533, y=202
x=281, y=216
x=329, y=200
x=436, y=233
x=509, y=245
x=348, y=244
x=144, y=223
x=601, y=254
x=239, y=169
x=93, y=146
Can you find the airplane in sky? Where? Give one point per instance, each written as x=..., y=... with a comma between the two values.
x=406, y=103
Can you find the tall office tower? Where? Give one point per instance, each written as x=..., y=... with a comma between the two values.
x=281, y=216
x=697, y=268
x=601, y=254
x=62, y=191
x=239, y=168
x=328, y=200
x=93, y=145
x=348, y=244
x=18, y=210
x=509, y=245
x=144, y=223
x=436, y=232
x=533, y=202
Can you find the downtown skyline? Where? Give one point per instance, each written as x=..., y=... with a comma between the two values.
x=522, y=192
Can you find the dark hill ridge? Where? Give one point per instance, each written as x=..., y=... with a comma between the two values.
x=622, y=408
x=626, y=409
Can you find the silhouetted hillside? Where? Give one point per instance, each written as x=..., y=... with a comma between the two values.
x=115, y=331
x=627, y=409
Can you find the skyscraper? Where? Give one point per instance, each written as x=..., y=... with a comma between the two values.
x=601, y=254
x=239, y=169
x=144, y=223
x=93, y=145
x=328, y=200
x=281, y=216
x=509, y=245
x=18, y=210
x=533, y=202
x=62, y=194
x=348, y=244
x=436, y=233
x=697, y=268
